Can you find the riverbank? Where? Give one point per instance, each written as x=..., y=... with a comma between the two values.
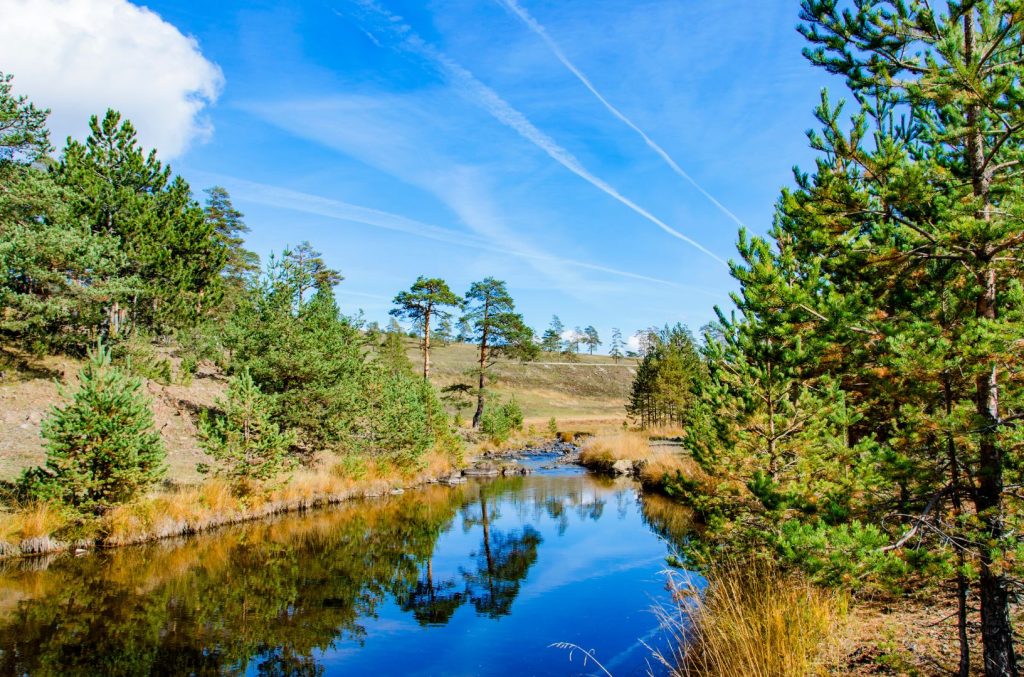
x=648, y=459
x=196, y=508
x=189, y=509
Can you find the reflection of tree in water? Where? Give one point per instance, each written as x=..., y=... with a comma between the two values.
x=432, y=603
x=558, y=497
x=281, y=662
x=502, y=563
x=267, y=595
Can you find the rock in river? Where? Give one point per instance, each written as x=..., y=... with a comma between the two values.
x=482, y=470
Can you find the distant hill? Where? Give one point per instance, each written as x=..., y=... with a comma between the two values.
x=596, y=387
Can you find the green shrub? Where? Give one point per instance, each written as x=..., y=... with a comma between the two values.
x=514, y=413
x=189, y=365
x=187, y=370
x=498, y=422
x=137, y=357
x=304, y=356
x=392, y=419
x=101, y=448
x=552, y=426
x=351, y=467
x=250, y=450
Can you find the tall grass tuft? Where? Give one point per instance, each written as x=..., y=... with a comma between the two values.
x=603, y=451
x=751, y=620
x=666, y=464
x=35, y=520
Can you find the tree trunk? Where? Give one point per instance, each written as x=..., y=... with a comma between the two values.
x=996, y=628
x=426, y=345
x=962, y=584
x=487, y=546
x=964, y=669
x=483, y=365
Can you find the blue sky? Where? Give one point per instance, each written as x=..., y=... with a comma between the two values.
x=455, y=128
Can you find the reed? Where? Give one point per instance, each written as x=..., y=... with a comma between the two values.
x=662, y=465
x=752, y=620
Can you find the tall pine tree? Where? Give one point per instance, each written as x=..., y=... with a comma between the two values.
x=168, y=244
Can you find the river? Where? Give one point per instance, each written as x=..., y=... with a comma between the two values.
x=477, y=579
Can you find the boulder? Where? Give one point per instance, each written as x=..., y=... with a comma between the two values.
x=482, y=470
x=621, y=467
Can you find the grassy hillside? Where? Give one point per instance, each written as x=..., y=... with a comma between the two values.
x=594, y=388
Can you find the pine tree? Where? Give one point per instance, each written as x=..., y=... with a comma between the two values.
x=465, y=331
x=551, y=341
x=303, y=354
x=392, y=417
x=591, y=338
x=241, y=265
x=426, y=300
x=249, y=448
x=306, y=269
x=576, y=339
x=444, y=332
x=101, y=447
x=662, y=390
x=617, y=345
x=167, y=242
x=499, y=331
x=869, y=390
x=924, y=191
x=24, y=136
x=58, y=280
x=392, y=353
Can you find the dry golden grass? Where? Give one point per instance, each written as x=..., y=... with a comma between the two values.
x=31, y=521
x=659, y=465
x=214, y=503
x=753, y=621
x=436, y=464
x=604, y=451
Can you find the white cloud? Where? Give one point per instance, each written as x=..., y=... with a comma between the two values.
x=80, y=57
x=633, y=343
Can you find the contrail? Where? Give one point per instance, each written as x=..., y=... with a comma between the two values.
x=462, y=79
x=517, y=9
x=313, y=204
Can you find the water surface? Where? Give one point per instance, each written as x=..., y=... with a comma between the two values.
x=474, y=580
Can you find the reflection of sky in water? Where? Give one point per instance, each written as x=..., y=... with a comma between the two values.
x=593, y=584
